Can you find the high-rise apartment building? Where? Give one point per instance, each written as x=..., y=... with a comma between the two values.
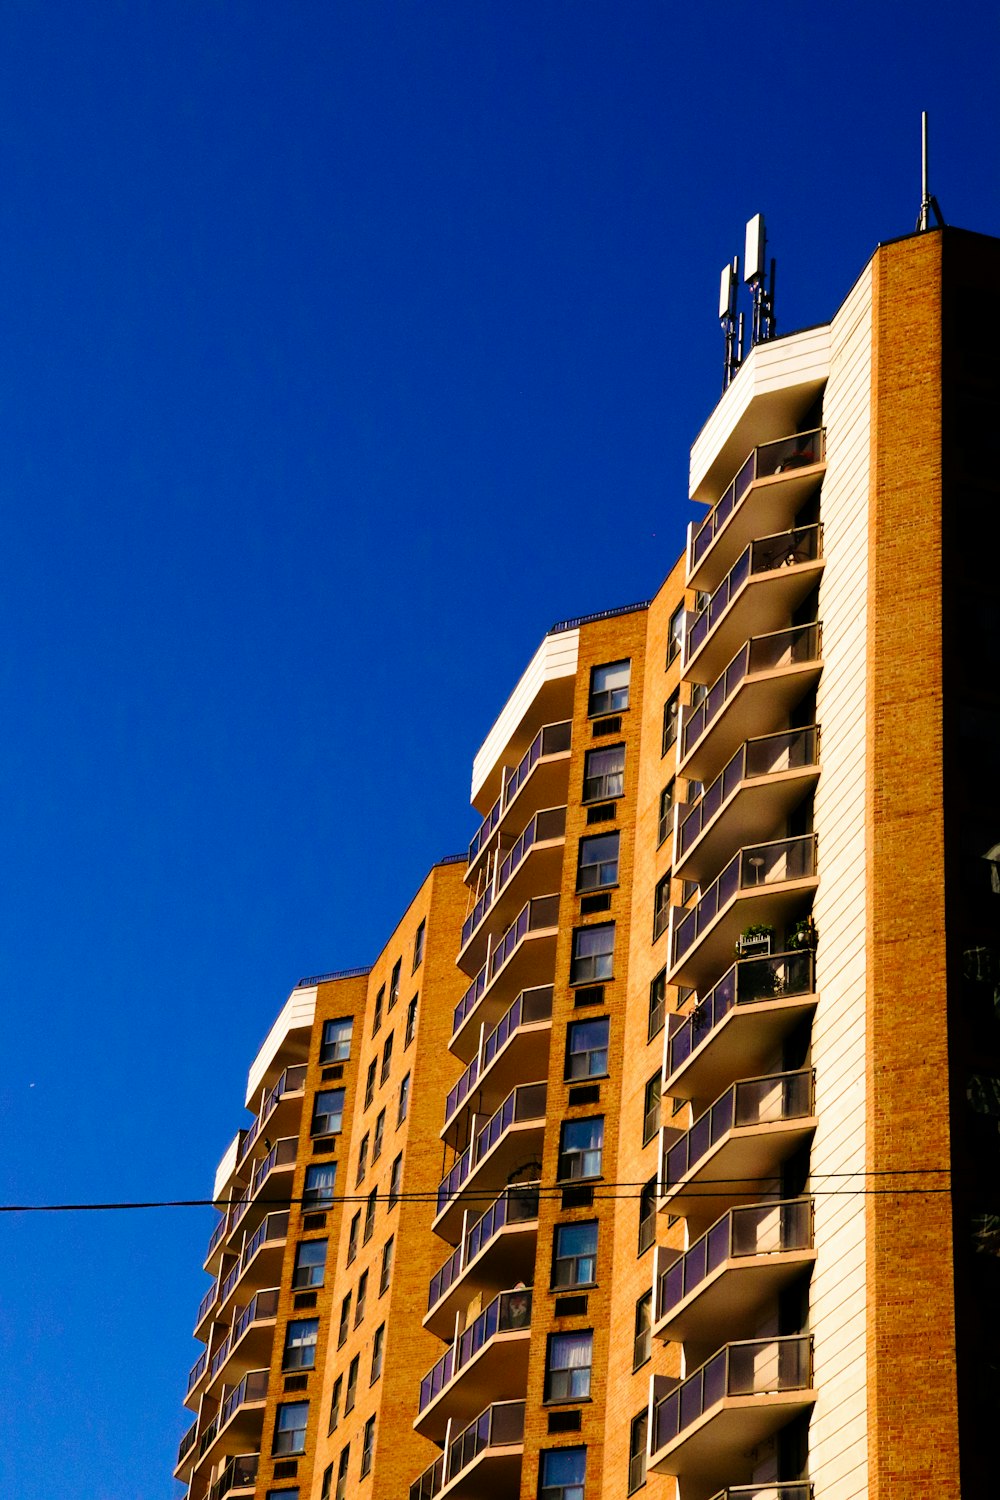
x=659, y=1148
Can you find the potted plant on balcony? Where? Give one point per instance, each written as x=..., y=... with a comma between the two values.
x=755, y=941
x=803, y=936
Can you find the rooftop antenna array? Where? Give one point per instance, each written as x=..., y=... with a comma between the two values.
x=928, y=202
x=760, y=279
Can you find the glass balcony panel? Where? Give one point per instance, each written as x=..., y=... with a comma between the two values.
x=240, y=1473
x=507, y=1312
x=763, y=653
x=767, y=755
x=755, y=1230
x=760, y=864
x=430, y=1482
x=748, y=982
x=786, y=454
x=540, y=912
x=550, y=823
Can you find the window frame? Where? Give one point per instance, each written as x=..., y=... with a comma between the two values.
x=378, y=1137
x=362, y=1159
x=386, y=1058
x=589, y=1053
x=309, y=1265
x=642, y=1343
x=661, y=905
x=344, y=1326
x=368, y=1446
x=652, y=1100
x=394, y=979
x=385, y=1273
x=361, y=1298
x=568, y=1489
x=314, y=1197
x=351, y=1393
x=585, y=886
x=598, y=966
x=638, y=1428
x=615, y=699
x=553, y=1390
x=419, y=940
x=570, y=1155
x=378, y=1353
x=575, y=1257
x=646, y=1238
x=671, y=722
x=395, y=1182
x=303, y=1344
x=370, y=1082
x=343, y=1463
x=404, y=1100
x=338, y=1391
x=675, y=635
x=371, y=1208
x=319, y=1115
x=377, y=1012
x=330, y=1050
x=657, y=1004
x=411, y=1022
x=665, y=821
x=279, y=1445
x=596, y=784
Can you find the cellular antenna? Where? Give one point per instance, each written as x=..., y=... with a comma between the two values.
x=729, y=286
x=928, y=202
x=762, y=325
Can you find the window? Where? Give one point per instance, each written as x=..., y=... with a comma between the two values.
x=637, y=1452
x=377, y=1017
x=404, y=1100
x=386, y=1273
x=418, y=946
x=338, y=1388
x=657, y=1004
x=367, y=1444
x=321, y=1180
x=394, y=983
x=647, y=1216
x=609, y=687
x=379, y=1134
x=651, y=1108
x=362, y=1158
x=666, y=813
x=661, y=906
x=671, y=715
x=395, y=1180
x=290, y=1427
x=370, y=1081
x=598, y=862
x=593, y=953
x=361, y=1299
x=345, y=1320
x=567, y=1366
x=328, y=1112
x=283, y=1494
x=574, y=1258
x=300, y=1344
x=310, y=1264
x=352, y=1384
x=324, y=1493
x=378, y=1351
x=675, y=636
x=345, y=1457
x=643, y=1345
x=580, y=1146
x=411, y=1021
x=604, y=773
x=353, y=1237
x=336, y=1044
x=587, y=1048
x=386, y=1058
x=562, y=1474
x=370, y=1214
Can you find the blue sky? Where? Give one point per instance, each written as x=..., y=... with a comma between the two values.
x=343, y=348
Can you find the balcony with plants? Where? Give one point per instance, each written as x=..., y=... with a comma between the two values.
x=732, y=1272
x=516, y=1048
x=751, y=796
x=736, y=1147
x=487, y=1362
x=762, y=886
x=503, y=1146
x=533, y=861
x=759, y=688
x=704, y=1430
x=482, y=1462
x=496, y=1247
x=523, y=957
x=765, y=496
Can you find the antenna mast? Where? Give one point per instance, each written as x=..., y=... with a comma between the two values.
x=928, y=203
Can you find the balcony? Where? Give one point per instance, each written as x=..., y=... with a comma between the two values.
x=738, y=1024
x=484, y=1459
x=518, y=1044
x=765, y=496
x=238, y=1418
x=489, y=1361
x=764, y=884
x=258, y=1263
x=507, y=1143
x=735, y=1149
x=205, y=1308
x=277, y=1168
x=186, y=1453
x=759, y=594
x=248, y=1342
x=498, y=1247
x=758, y=689
x=704, y=1431
x=214, y=1252
x=536, y=854
x=539, y=778
x=751, y=797
x=239, y=1476
x=523, y=958
x=290, y=1085
x=194, y=1376
x=733, y=1271
x=794, y=1489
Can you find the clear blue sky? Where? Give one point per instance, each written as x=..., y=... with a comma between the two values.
x=343, y=348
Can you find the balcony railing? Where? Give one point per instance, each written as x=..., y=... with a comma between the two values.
x=530, y=1006
x=240, y=1473
x=527, y=1102
x=217, y=1236
x=551, y=739
x=754, y=1101
x=253, y=1387
x=515, y=1205
x=262, y=1305
x=795, y=452
x=208, y=1437
x=197, y=1370
x=273, y=1227
x=752, y=1367
x=762, y=653
x=187, y=1442
x=773, y=863
x=212, y=1295
x=749, y=982
x=500, y=1425
x=541, y=911
x=430, y=1482
x=550, y=823
x=281, y=1154
x=508, y=1312
x=291, y=1081
x=795, y=1489
x=770, y=754
x=758, y=1229
x=801, y=544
